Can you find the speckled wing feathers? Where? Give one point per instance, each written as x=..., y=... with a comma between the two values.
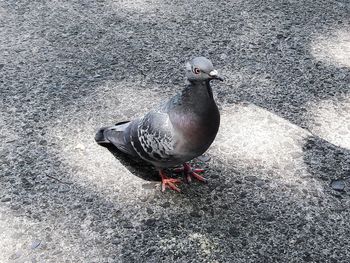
x=153, y=137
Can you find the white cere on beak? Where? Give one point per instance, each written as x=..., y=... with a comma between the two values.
x=213, y=73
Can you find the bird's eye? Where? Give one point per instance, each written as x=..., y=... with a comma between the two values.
x=196, y=71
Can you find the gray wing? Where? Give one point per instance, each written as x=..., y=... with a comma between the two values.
x=153, y=137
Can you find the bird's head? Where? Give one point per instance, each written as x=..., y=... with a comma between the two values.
x=201, y=69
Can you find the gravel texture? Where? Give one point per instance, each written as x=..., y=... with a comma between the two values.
x=279, y=170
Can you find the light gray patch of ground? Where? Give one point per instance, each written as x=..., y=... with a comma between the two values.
x=70, y=67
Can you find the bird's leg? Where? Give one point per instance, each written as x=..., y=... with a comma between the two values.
x=181, y=170
x=169, y=182
x=190, y=173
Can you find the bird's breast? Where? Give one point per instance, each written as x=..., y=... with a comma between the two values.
x=196, y=132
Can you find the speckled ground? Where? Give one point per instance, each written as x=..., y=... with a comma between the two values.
x=279, y=173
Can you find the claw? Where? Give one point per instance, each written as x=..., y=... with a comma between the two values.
x=192, y=173
x=169, y=182
x=188, y=178
x=198, y=177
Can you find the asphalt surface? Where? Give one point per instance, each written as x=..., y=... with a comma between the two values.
x=279, y=170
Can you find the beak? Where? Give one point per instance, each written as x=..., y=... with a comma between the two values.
x=214, y=75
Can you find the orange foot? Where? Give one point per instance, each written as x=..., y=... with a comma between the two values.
x=169, y=182
x=190, y=173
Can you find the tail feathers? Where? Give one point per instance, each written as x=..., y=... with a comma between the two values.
x=100, y=137
x=114, y=135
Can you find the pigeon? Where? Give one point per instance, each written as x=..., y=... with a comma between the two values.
x=174, y=132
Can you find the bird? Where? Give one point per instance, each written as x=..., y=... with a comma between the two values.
x=174, y=132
